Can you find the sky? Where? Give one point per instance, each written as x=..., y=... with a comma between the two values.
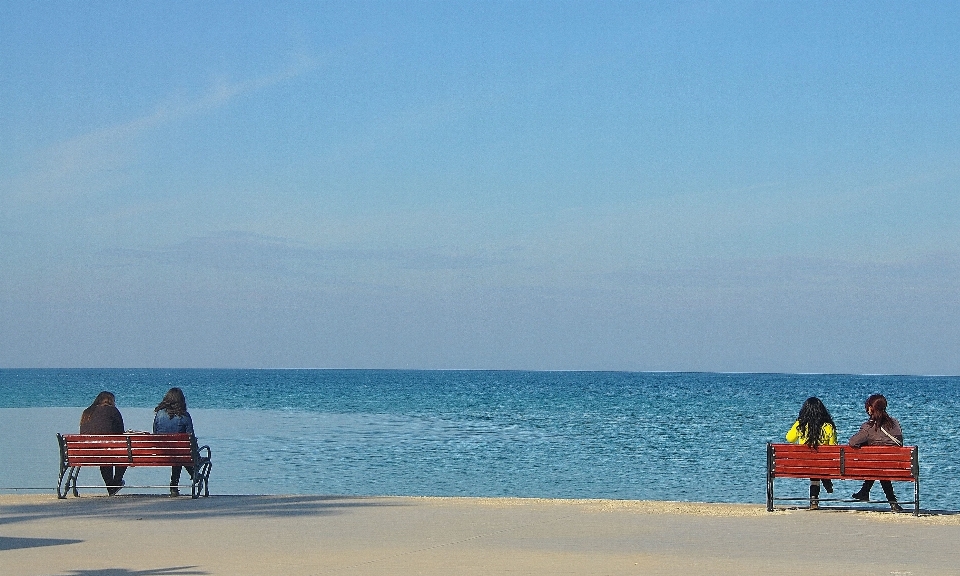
x=682, y=186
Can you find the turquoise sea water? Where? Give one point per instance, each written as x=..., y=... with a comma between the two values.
x=666, y=436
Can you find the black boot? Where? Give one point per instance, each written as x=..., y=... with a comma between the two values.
x=814, y=494
x=863, y=494
x=891, y=495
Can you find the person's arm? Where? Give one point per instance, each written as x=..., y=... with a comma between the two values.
x=156, y=416
x=793, y=435
x=118, y=422
x=861, y=437
x=189, y=423
x=829, y=434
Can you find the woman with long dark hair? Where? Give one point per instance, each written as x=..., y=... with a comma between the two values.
x=171, y=417
x=880, y=429
x=814, y=427
x=102, y=417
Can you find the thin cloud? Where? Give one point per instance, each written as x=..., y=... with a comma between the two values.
x=98, y=160
x=246, y=251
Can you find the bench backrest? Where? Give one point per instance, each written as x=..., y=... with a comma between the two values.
x=844, y=462
x=126, y=449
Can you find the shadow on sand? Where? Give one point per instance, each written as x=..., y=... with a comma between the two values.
x=13, y=543
x=174, y=571
x=882, y=508
x=146, y=507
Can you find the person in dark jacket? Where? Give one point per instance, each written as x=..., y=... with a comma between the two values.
x=880, y=429
x=171, y=417
x=102, y=417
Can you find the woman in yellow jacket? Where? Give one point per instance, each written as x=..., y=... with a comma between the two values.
x=814, y=427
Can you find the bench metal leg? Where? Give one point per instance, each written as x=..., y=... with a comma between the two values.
x=68, y=482
x=769, y=477
x=61, y=489
x=201, y=480
x=916, y=497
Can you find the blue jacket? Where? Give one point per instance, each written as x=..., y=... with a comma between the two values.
x=163, y=423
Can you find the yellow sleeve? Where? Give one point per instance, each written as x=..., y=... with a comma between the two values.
x=793, y=436
x=829, y=435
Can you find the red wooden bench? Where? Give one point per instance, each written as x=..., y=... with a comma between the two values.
x=895, y=463
x=132, y=450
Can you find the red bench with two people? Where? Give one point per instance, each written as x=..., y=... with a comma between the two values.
x=132, y=450
x=875, y=452
x=885, y=463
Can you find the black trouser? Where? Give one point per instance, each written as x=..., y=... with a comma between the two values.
x=175, y=474
x=112, y=475
x=885, y=484
x=815, y=486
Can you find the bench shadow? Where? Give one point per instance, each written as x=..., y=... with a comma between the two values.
x=151, y=507
x=881, y=508
x=14, y=543
x=172, y=571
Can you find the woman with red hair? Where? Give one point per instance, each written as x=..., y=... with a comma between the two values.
x=880, y=429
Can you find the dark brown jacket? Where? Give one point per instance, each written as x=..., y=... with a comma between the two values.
x=871, y=436
x=101, y=420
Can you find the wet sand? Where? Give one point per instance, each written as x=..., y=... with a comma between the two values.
x=153, y=535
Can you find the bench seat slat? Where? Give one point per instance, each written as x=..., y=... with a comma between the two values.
x=808, y=472
x=875, y=461
x=164, y=451
x=145, y=460
x=879, y=473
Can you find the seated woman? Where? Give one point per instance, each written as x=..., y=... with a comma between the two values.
x=880, y=429
x=814, y=426
x=102, y=417
x=171, y=417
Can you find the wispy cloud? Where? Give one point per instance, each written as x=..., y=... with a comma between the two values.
x=98, y=160
x=245, y=251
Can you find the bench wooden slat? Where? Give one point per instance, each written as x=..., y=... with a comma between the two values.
x=874, y=475
x=795, y=461
x=876, y=459
x=807, y=472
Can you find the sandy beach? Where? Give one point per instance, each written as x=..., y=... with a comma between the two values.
x=153, y=535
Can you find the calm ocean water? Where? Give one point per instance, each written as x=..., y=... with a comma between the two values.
x=666, y=436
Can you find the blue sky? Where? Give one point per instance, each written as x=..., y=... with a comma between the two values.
x=728, y=186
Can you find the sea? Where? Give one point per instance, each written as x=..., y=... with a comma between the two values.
x=697, y=437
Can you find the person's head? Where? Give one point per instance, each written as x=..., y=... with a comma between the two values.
x=813, y=416
x=876, y=407
x=104, y=399
x=174, y=402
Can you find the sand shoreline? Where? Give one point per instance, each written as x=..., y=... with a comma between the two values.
x=145, y=535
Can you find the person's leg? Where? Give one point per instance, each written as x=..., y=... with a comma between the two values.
x=118, y=475
x=890, y=494
x=864, y=492
x=106, y=472
x=814, y=493
x=175, y=480
x=117, y=483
